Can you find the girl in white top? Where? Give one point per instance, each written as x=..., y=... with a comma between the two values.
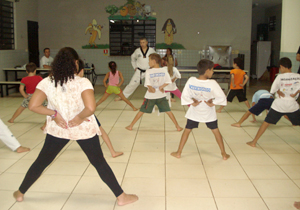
x=174, y=74
x=114, y=84
x=71, y=105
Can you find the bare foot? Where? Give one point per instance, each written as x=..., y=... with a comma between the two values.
x=116, y=154
x=173, y=100
x=129, y=128
x=18, y=196
x=179, y=128
x=225, y=156
x=236, y=125
x=135, y=109
x=219, y=111
x=250, y=143
x=22, y=149
x=176, y=154
x=124, y=199
x=10, y=121
x=118, y=99
x=297, y=205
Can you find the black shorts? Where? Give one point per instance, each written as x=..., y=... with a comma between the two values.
x=190, y=124
x=273, y=117
x=262, y=104
x=238, y=93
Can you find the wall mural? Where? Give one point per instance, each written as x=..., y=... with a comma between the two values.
x=95, y=31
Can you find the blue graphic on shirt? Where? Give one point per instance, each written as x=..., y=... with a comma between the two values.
x=157, y=75
x=192, y=87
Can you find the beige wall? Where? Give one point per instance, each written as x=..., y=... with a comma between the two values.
x=63, y=22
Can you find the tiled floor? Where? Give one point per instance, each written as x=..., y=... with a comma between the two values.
x=266, y=177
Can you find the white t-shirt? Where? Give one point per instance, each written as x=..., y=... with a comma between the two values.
x=138, y=60
x=68, y=102
x=45, y=61
x=156, y=77
x=288, y=83
x=176, y=74
x=202, y=90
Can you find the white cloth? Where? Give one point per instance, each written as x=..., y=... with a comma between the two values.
x=137, y=61
x=156, y=77
x=45, y=61
x=8, y=138
x=172, y=86
x=68, y=102
x=288, y=83
x=202, y=90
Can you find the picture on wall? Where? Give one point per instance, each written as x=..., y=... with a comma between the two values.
x=95, y=32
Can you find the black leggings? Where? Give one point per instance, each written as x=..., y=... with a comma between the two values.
x=54, y=145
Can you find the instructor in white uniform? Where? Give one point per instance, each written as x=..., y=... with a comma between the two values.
x=140, y=63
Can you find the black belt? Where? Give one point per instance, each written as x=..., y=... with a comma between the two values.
x=141, y=71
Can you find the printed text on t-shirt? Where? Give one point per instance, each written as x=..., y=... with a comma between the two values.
x=192, y=87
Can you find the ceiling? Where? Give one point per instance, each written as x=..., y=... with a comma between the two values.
x=265, y=3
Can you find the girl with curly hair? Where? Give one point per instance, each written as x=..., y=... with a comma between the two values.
x=71, y=105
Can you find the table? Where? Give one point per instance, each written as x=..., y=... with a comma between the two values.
x=87, y=72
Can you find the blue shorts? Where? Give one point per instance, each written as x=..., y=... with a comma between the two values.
x=262, y=104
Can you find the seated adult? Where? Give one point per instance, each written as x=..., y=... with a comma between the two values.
x=46, y=61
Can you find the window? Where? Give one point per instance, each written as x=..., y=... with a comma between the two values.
x=6, y=25
x=124, y=35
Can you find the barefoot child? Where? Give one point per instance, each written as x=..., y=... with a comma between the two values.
x=30, y=82
x=238, y=80
x=203, y=94
x=156, y=79
x=9, y=140
x=261, y=100
x=287, y=87
x=174, y=74
x=114, y=85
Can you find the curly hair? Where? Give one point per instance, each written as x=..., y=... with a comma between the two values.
x=63, y=66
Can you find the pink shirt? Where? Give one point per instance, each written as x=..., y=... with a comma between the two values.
x=113, y=79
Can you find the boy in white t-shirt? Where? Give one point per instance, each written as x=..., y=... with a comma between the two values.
x=203, y=94
x=287, y=88
x=156, y=79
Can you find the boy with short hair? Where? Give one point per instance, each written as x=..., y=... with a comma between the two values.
x=30, y=82
x=156, y=79
x=203, y=94
x=287, y=89
x=238, y=80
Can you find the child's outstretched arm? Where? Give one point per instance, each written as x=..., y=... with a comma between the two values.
x=105, y=79
x=246, y=78
x=22, y=91
x=122, y=79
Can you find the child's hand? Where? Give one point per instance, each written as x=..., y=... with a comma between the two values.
x=76, y=121
x=151, y=89
x=293, y=95
x=60, y=121
x=241, y=85
x=280, y=94
x=161, y=89
x=26, y=96
x=118, y=85
x=196, y=102
x=233, y=85
x=209, y=103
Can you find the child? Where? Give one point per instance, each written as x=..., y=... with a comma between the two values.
x=203, y=94
x=238, y=80
x=103, y=133
x=261, y=100
x=174, y=74
x=9, y=140
x=156, y=79
x=30, y=82
x=114, y=85
x=287, y=87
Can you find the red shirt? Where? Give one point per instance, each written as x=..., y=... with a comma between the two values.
x=30, y=82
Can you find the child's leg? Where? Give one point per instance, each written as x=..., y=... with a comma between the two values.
x=220, y=142
x=108, y=143
x=137, y=117
x=183, y=140
x=127, y=101
x=239, y=123
x=172, y=117
x=177, y=93
x=104, y=97
x=17, y=113
x=172, y=98
x=220, y=109
x=260, y=132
